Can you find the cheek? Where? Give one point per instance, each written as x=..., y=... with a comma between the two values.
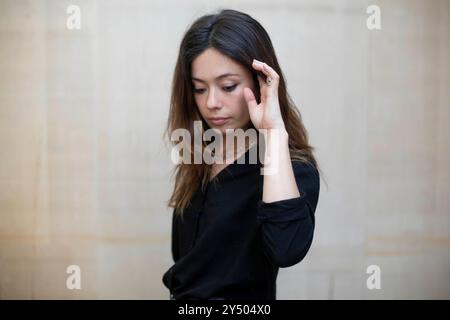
x=240, y=103
x=200, y=103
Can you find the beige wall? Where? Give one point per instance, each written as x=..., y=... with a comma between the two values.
x=84, y=174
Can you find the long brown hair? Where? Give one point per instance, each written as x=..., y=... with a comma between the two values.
x=240, y=37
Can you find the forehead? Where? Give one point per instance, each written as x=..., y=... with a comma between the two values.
x=211, y=63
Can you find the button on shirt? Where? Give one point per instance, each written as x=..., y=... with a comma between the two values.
x=230, y=244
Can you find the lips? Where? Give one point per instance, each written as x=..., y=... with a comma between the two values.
x=219, y=120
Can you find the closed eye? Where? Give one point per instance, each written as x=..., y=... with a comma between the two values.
x=230, y=88
x=199, y=91
x=226, y=88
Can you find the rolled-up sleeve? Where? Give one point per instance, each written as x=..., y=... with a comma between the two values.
x=287, y=226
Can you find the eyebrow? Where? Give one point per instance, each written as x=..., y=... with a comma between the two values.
x=219, y=77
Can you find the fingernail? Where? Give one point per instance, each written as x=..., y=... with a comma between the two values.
x=257, y=61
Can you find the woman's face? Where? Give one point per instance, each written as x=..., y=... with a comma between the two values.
x=219, y=84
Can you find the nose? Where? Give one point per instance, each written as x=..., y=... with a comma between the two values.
x=213, y=100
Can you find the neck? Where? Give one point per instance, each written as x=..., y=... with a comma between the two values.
x=235, y=145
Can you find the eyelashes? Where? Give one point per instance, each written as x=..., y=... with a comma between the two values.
x=226, y=89
x=230, y=88
x=199, y=91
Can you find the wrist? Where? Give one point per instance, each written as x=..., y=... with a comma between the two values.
x=280, y=134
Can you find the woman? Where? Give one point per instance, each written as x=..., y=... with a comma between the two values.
x=233, y=227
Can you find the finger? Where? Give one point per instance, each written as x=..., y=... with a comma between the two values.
x=261, y=81
x=266, y=69
x=272, y=73
x=258, y=65
x=269, y=72
x=250, y=99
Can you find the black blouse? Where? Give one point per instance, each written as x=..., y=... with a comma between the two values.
x=230, y=244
